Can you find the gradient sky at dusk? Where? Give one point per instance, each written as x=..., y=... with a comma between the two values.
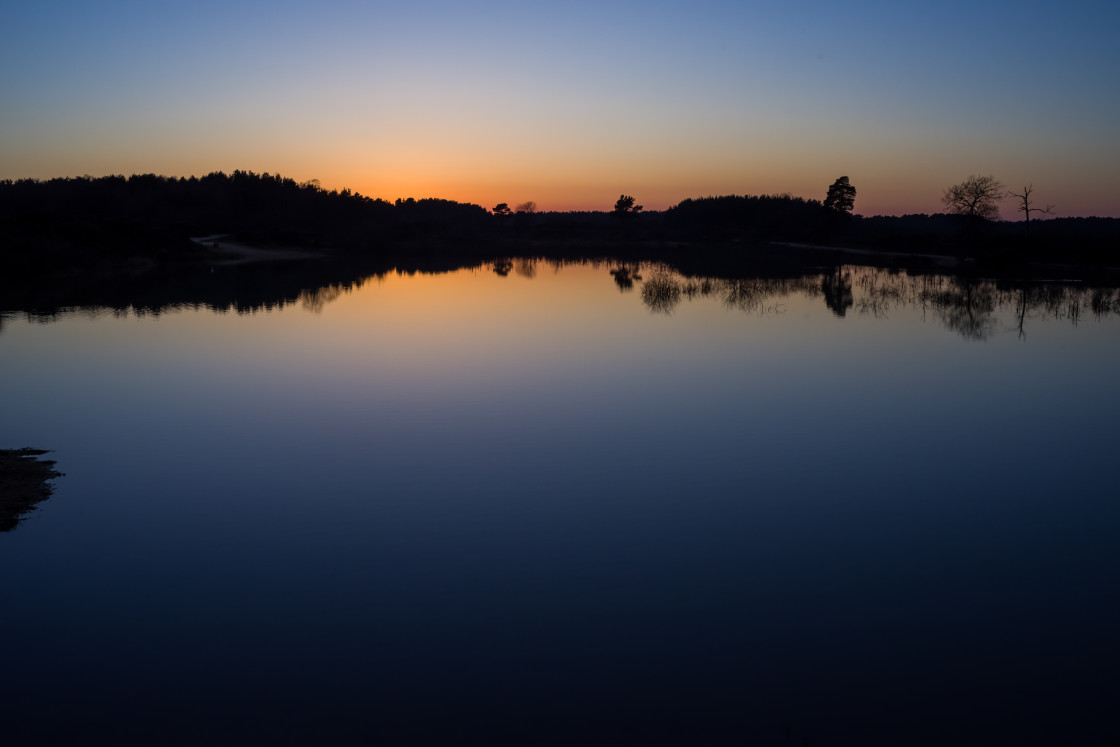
x=571, y=104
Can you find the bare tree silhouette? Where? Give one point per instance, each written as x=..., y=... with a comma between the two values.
x=976, y=197
x=1025, y=205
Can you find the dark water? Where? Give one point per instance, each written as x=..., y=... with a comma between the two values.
x=555, y=505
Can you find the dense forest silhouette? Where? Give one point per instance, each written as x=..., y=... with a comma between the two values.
x=115, y=223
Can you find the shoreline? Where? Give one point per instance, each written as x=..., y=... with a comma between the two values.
x=23, y=484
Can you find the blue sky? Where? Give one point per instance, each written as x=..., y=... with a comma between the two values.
x=571, y=105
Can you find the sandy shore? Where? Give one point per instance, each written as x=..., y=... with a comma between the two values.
x=226, y=252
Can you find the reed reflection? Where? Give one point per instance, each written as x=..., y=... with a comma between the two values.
x=661, y=293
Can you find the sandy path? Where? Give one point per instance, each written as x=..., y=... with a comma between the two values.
x=230, y=253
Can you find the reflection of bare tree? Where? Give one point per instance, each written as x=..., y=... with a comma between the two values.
x=661, y=293
x=1021, y=312
x=968, y=308
x=1056, y=302
x=837, y=288
x=503, y=266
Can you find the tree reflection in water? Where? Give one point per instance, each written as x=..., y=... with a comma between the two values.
x=526, y=268
x=970, y=307
x=315, y=300
x=967, y=307
x=837, y=288
x=624, y=278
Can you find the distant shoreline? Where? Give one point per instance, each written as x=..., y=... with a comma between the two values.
x=112, y=225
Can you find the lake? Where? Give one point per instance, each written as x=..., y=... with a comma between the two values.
x=566, y=503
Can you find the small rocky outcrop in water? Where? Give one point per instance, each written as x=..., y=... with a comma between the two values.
x=23, y=483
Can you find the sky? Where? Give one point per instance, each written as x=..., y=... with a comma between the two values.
x=571, y=105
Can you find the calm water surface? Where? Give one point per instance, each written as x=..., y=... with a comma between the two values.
x=537, y=506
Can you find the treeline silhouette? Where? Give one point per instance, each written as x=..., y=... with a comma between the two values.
x=751, y=219
x=1089, y=241
x=113, y=223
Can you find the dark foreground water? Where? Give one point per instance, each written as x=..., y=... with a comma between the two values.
x=552, y=505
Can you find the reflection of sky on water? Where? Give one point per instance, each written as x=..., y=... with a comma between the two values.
x=473, y=504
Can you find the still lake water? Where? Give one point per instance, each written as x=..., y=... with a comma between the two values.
x=536, y=506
